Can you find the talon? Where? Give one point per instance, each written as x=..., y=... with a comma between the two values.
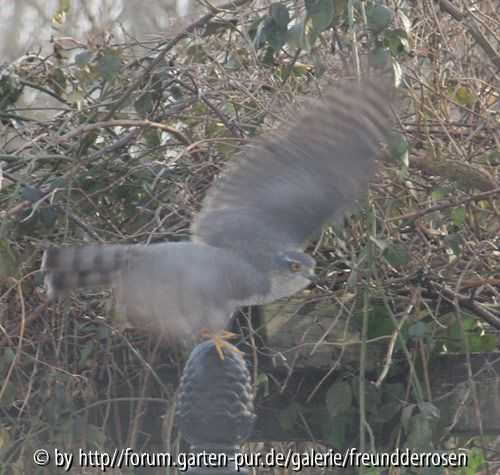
x=219, y=340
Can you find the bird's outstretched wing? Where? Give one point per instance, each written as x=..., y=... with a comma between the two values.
x=280, y=192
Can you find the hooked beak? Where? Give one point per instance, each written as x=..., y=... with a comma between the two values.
x=312, y=276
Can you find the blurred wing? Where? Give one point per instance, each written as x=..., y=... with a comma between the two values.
x=282, y=192
x=182, y=287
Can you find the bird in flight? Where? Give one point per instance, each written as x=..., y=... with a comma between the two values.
x=247, y=242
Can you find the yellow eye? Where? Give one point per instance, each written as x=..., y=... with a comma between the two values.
x=295, y=266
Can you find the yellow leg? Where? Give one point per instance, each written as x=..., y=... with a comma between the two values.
x=220, y=341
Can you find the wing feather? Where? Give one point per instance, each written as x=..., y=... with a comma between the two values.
x=281, y=191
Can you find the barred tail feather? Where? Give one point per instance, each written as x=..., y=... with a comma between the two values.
x=81, y=267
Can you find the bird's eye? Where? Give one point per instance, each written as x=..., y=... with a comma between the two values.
x=295, y=266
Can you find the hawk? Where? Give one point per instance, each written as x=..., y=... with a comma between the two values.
x=248, y=240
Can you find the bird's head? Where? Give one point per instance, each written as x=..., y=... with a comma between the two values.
x=292, y=271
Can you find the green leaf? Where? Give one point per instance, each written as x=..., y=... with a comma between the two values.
x=320, y=15
x=429, y=409
x=397, y=41
x=9, y=391
x=260, y=36
x=334, y=431
x=79, y=426
x=95, y=436
x=294, y=35
x=279, y=13
x=372, y=395
x=379, y=18
x=463, y=96
x=8, y=356
x=406, y=416
x=109, y=66
x=31, y=194
x=420, y=433
x=275, y=35
x=144, y=104
x=263, y=380
x=176, y=92
x=153, y=138
x=458, y=216
x=57, y=182
x=76, y=96
x=397, y=255
x=404, y=20
x=81, y=59
x=86, y=350
x=454, y=242
x=57, y=81
x=288, y=417
x=378, y=242
x=9, y=263
x=104, y=333
x=379, y=56
x=196, y=52
x=475, y=462
x=440, y=192
x=339, y=7
x=394, y=392
x=380, y=324
x=482, y=342
x=418, y=330
x=217, y=26
x=352, y=280
x=338, y=397
x=64, y=6
x=386, y=412
x=47, y=216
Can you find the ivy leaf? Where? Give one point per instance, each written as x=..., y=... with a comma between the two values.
x=418, y=330
x=279, y=13
x=9, y=391
x=399, y=148
x=294, y=34
x=372, y=395
x=31, y=194
x=86, y=350
x=9, y=263
x=463, y=96
x=109, y=66
x=454, y=242
x=379, y=57
x=81, y=59
x=275, y=35
x=338, y=398
x=420, y=433
x=288, y=417
x=47, y=216
x=263, y=380
x=397, y=255
x=458, y=216
x=57, y=81
x=386, y=412
x=429, y=410
x=379, y=18
x=406, y=416
x=144, y=104
x=397, y=41
x=320, y=14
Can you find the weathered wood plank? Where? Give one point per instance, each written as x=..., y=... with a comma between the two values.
x=448, y=384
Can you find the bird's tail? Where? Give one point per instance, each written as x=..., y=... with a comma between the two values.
x=79, y=267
